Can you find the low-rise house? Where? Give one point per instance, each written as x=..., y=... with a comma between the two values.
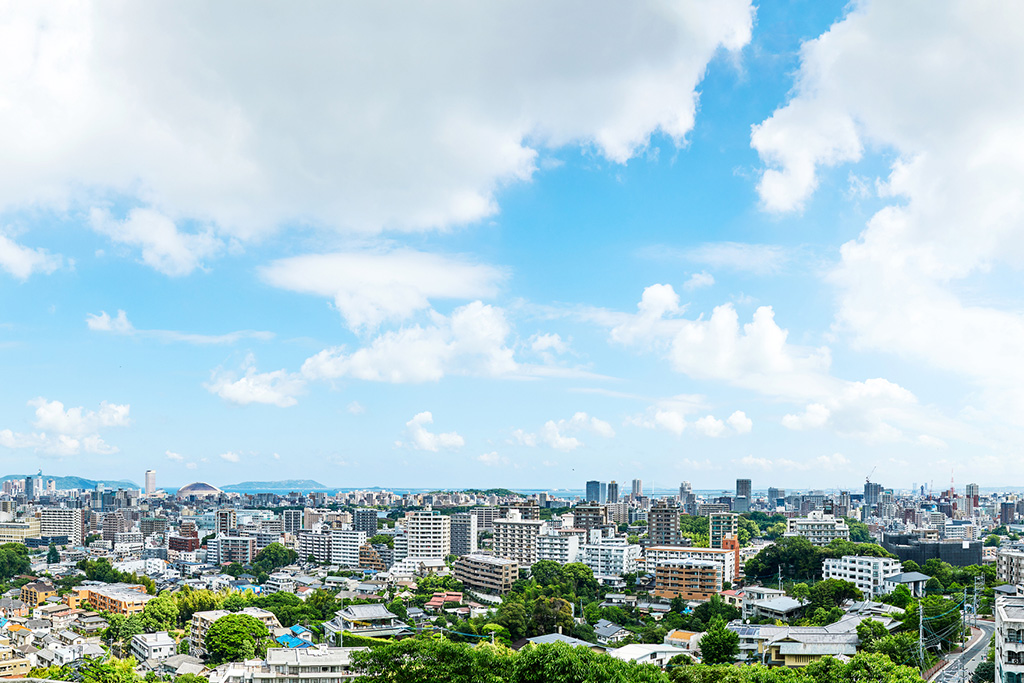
x=35, y=593
x=776, y=608
x=369, y=620
x=13, y=607
x=158, y=646
x=609, y=633
x=914, y=581
x=12, y=663
x=557, y=638
x=682, y=639
x=438, y=601
x=644, y=653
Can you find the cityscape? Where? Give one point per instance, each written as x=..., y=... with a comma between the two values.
x=559, y=341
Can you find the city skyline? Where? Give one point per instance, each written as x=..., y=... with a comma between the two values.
x=645, y=245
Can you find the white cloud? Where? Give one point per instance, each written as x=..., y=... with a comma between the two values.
x=922, y=279
x=669, y=414
x=70, y=431
x=356, y=408
x=709, y=425
x=421, y=439
x=164, y=247
x=371, y=287
x=176, y=457
x=21, y=262
x=470, y=341
x=740, y=422
x=146, y=100
x=543, y=343
x=556, y=434
x=492, y=459
x=760, y=259
x=231, y=456
x=828, y=463
x=120, y=325
x=190, y=465
x=699, y=281
x=277, y=388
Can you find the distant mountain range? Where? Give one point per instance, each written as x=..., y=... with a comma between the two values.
x=64, y=483
x=287, y=484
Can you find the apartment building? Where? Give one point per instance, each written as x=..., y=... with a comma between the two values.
x=1010, y=566
x=370, y=558
x=35, y=593
x=487, y=573
x=320, y=664
x=116, y=598
x=818, y=527
x=158, y=646
x=726, y=558
x=868, y=573
x=429, y=534
x=19, y=531
x=345, y=547
x=1009, y=639
x=464, y=533
x=590, y=516
x=365, y=520
x=516, y=538
x=291, y=520
x=688, y=579
x=485, y=516
x=722, y=525
x=202, y=621
x=228, y=549
x=610, y=557
x=663, y=524
x=557, y=547
x=12, y=663
x=62, y=522
x=315, y=545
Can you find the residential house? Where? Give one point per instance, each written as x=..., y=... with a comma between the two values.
x=609, y=633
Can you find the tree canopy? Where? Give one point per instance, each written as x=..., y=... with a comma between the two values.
x=236, y=636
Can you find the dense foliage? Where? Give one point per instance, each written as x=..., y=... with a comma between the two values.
x=235, y=637
x=799, y=559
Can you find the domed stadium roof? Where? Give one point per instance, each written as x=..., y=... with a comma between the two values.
x=199, y=488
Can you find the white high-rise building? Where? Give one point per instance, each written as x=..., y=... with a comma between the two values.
x=819, y=528
x=868, y=573
x=515, y=538
x=345, y=547
x=560, y=548
x=150, y=482
x=62, y=522
x=610, y=557
x=429, y=534
x=638, y=488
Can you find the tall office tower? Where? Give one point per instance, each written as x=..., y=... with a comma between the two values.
x=663, y=524
x=226, y=520
x=974, y=493
x=603, y=495
x=872, y=491
x=542, y=499
x=638, y=488
x=613, y=492
x=593, y=491
x=743, y=488
x=291, y=520
x=365, y=519
x=684, y=489
x=464, y=531
x=30, y=492
x=1007, y=513
x=150, y=482
x=51, y=486
x=774, y=495
x=429, y=534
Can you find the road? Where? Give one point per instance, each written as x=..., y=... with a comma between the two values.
x=969, y=659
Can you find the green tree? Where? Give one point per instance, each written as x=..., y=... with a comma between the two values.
x=800, y=591
x=719, y=645
x=832, y=593
x=234, y=636
x=273, y=557
x=160, y=613
x=13, y=561
x=560, y=663
x=52, y=556
x=985, y=672
x=992, y=540
x=423, y=660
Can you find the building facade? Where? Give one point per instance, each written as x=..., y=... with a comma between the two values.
x=818, y=527
x=487, y=573
x=868, y=573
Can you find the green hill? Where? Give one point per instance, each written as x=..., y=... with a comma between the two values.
x=64, y=483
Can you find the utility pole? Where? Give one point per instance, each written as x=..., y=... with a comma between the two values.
x=780, y=577
x=977, y=579
x=920, y=634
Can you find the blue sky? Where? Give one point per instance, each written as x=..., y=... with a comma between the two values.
x=513, y=245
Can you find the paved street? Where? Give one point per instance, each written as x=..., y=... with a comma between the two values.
x=964, y=663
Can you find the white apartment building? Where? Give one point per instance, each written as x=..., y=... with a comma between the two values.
x=818, y=528
x=868, y=573
x=1009, y=637
x=345, y=547
x=515, y=538
x=1010, y=566
x=429, y=534
x=153, y=646
x=62, y=522
x=610, y=557
x=320, y=664
x=279, y=582
x=291, y=520
x=315, y=545
x=657, y=554
x=560, y=548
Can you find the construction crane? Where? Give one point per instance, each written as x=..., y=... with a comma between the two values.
x=867, y=479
